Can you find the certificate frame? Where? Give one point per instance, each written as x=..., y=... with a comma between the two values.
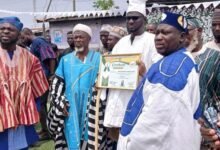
x=119, y=71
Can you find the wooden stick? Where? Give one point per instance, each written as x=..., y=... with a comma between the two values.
x=97, y=118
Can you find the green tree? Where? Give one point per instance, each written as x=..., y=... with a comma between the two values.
x=103, y=4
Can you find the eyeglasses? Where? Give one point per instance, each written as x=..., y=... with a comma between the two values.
x=132, y=17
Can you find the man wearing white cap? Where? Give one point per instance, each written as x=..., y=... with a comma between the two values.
x=104, y=32
x=75, y=77
x=138, y=41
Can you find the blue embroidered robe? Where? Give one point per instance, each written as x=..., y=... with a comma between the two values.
x=79, y=78
x=162, y=113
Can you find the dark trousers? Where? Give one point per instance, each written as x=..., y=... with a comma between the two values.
x=43, y=111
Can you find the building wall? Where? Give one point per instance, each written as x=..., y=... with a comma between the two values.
x=59, y=29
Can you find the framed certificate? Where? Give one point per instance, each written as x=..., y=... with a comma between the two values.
x=119, y=71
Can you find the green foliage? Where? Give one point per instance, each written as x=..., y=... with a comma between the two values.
x=103, y=4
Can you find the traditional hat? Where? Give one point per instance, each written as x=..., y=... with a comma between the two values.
x=138, y=6
x=15, y=21
x=193, y=21
x=106, y=27
x=216, y=15
x=118, y=32
x=176, y=20
x=84, y=28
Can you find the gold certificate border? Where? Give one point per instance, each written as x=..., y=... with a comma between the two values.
x=138, y=55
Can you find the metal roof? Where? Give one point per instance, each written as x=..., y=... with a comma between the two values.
x=177, y=2
x=77, y=15
x=59, y=16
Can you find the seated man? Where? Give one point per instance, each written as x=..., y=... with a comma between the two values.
x=162, y=113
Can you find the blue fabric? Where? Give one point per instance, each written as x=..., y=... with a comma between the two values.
x=79, y=78
x=30, y=135
x=4, y=140
x=38, y=103
x=198, y=112
x=10, y=53
x=173, y=74
x=114, y=146
x=134, y=109
x=176, y=20
x=14, y=142
x=15, y=21
x=172, y=71
x=43, y=51
x=24, y=148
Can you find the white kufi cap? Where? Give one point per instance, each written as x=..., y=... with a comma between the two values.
x=84, y=28
x=106, y=27
x=138, y=6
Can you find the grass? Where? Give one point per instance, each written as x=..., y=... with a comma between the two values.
x=42, y=145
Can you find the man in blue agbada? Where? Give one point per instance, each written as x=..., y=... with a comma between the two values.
x=75, y=77
x=163, y=111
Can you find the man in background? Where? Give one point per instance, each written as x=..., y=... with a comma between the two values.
x=53, y=46
x=208, y=60
x=70, y=42
x=115, y=34
x=104, y=32
x=44, y=52
x=138, y=41
x=107, y=137
x=48, y=39
x=151, y=27
x=215, y=43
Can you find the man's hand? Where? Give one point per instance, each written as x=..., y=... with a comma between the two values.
x=142, y=68
x=209, y=134
x=65, y=109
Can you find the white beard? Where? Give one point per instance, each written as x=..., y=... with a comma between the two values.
x=79, y=49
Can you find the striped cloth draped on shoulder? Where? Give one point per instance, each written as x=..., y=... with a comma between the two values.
x=56, y=117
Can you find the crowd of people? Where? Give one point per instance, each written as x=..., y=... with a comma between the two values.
x=174, y=107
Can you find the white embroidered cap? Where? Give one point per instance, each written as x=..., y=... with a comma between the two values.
x=84, y=28
x=106, y=27
x=138, y=6
x=118, y=32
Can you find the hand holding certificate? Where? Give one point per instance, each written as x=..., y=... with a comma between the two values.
x=119, y=71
